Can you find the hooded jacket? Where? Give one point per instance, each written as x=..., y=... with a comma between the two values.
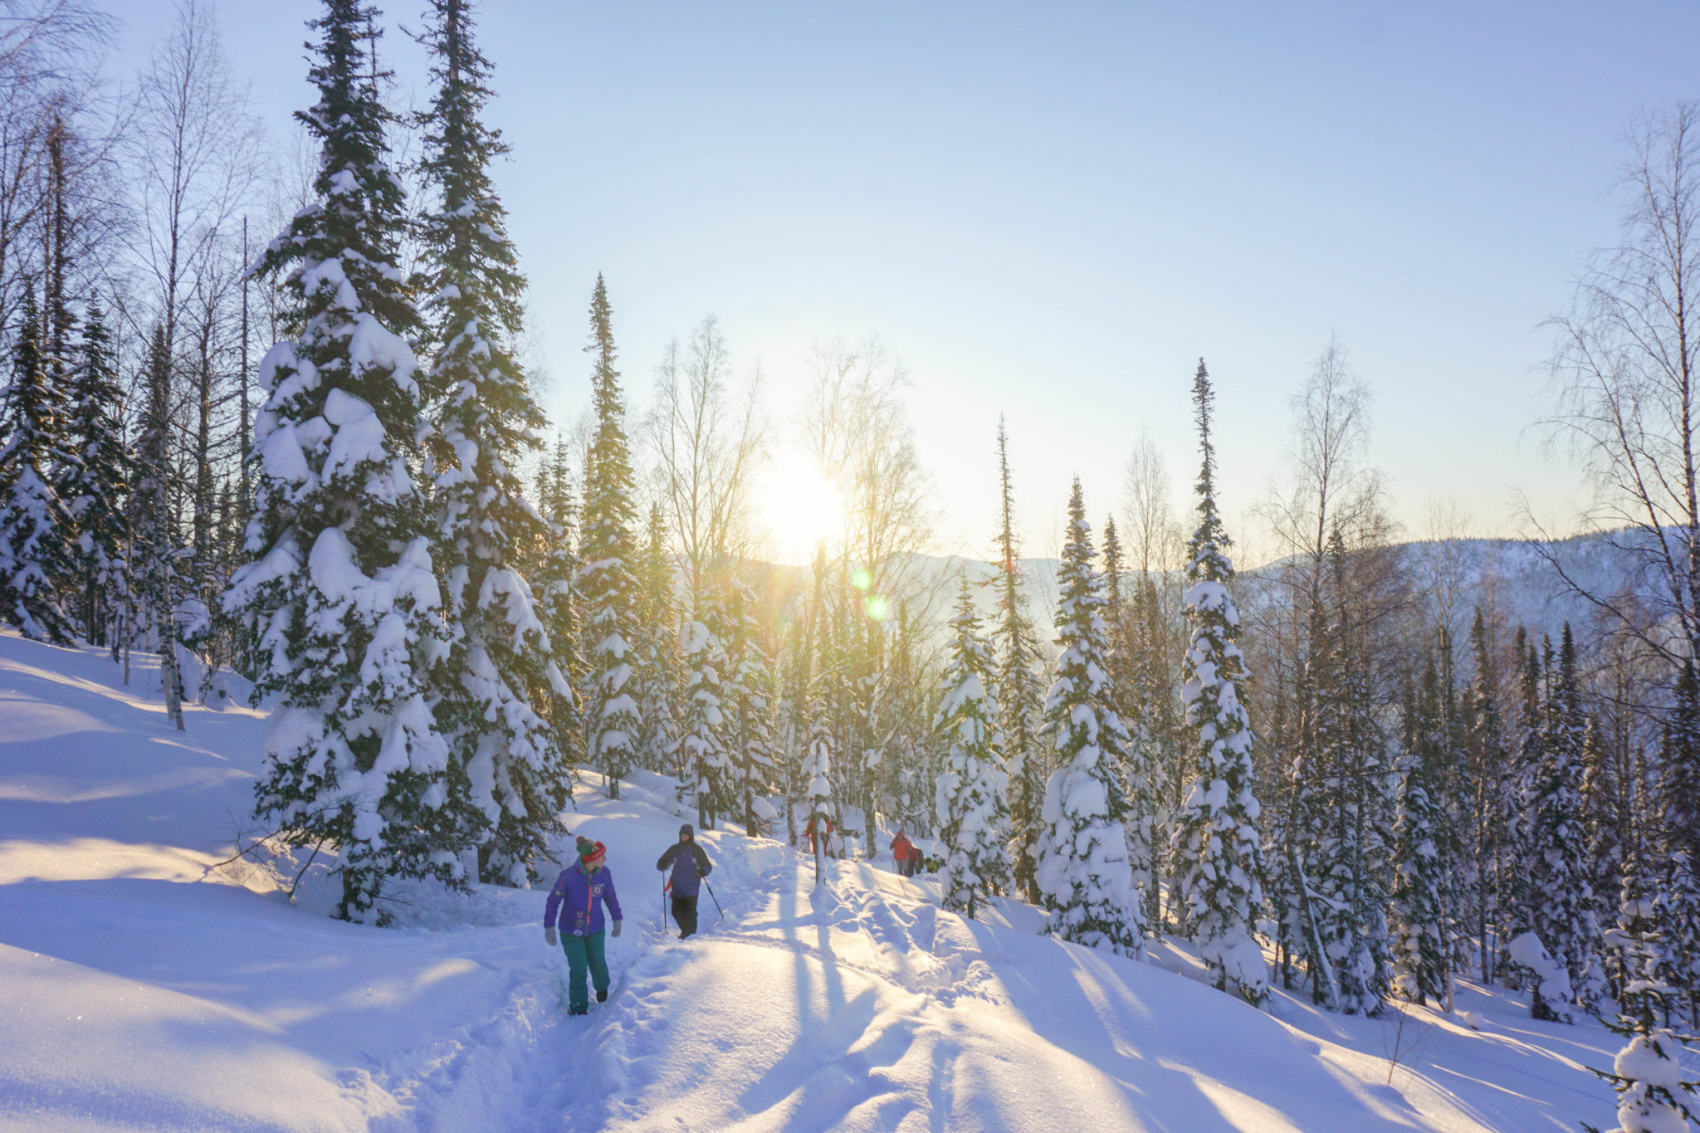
x=690, y=865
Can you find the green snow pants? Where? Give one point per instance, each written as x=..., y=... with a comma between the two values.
x=584, y=952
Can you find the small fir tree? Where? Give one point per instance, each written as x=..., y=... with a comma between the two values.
x=1217, y=845
x=1654, y=1092
x=1086, y=871
x=970, y=800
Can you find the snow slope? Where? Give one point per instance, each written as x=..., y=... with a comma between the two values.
x=140, y=988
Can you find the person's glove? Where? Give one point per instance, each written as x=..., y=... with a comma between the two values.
x=616, y=928
x=549, y=935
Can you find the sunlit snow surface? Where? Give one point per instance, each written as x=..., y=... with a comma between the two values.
x=138, y=990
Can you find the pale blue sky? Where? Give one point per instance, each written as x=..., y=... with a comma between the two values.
x=1053, y=210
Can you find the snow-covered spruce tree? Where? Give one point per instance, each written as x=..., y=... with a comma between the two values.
x=1675, y=837
x=815, y=771
x=35, y=528
x=499, y=670
x=1654, y=1094
x=970, y=800
x=341, y=592
x=1157, y=708
x=607, y=580
x=1086, y=858
x=1602, y=857
x=655, y=645
x=748, y=702
x=1350, y=805
x=1563, y=910
x=1517, y=894
x=1417, y=904
x=1021, y=694
x=1137, y=771
x=96, y=485
x=1218, y=855
x=906, y=716
x=703, y=757
x=555, y=582
x=1484, y=741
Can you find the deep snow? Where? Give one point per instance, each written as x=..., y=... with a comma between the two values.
x=142, y=989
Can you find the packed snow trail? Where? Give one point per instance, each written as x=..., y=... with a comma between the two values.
x=142, y=989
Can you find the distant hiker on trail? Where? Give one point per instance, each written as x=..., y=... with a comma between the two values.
x=826, y=838
x=904, y=853
x=689, y=863
x=578, y=895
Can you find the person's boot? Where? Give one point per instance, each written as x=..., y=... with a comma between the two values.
x=602, y=996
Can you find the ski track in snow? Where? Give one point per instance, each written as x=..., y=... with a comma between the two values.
x=136, y=995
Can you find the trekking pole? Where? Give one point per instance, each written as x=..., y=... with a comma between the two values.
x=663, y=904
x=719, y=912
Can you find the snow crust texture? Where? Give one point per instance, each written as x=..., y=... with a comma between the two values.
x=141, y=989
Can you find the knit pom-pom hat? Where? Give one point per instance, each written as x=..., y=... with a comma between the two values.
x=589, y=851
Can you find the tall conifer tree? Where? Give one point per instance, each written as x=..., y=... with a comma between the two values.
x=1217, y=845
x=98, y=485
x=499, y=671
x=1485, y=765
x=655, y=647
x=555, y=581
x=607, y=580
x=341, y=592
x=1563, y=913
x=1021, y=694
x=1417, y=899
x=749, y=688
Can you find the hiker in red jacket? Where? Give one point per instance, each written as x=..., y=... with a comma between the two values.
x=826, y=838
x=903, y=852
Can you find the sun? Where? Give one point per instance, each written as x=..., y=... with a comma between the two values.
x=799, y=509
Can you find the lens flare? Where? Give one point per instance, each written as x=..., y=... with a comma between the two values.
x=799, y=509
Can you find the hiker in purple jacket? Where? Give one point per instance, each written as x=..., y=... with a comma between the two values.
x=575, y=904
x=689, y=863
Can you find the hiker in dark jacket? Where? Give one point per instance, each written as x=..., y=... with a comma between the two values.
x=689, y=863
x=575, y=904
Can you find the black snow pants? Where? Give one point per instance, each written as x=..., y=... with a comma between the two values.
x=685, y=915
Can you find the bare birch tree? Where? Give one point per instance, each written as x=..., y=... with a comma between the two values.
x=1624, y=372
x=708, y=440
